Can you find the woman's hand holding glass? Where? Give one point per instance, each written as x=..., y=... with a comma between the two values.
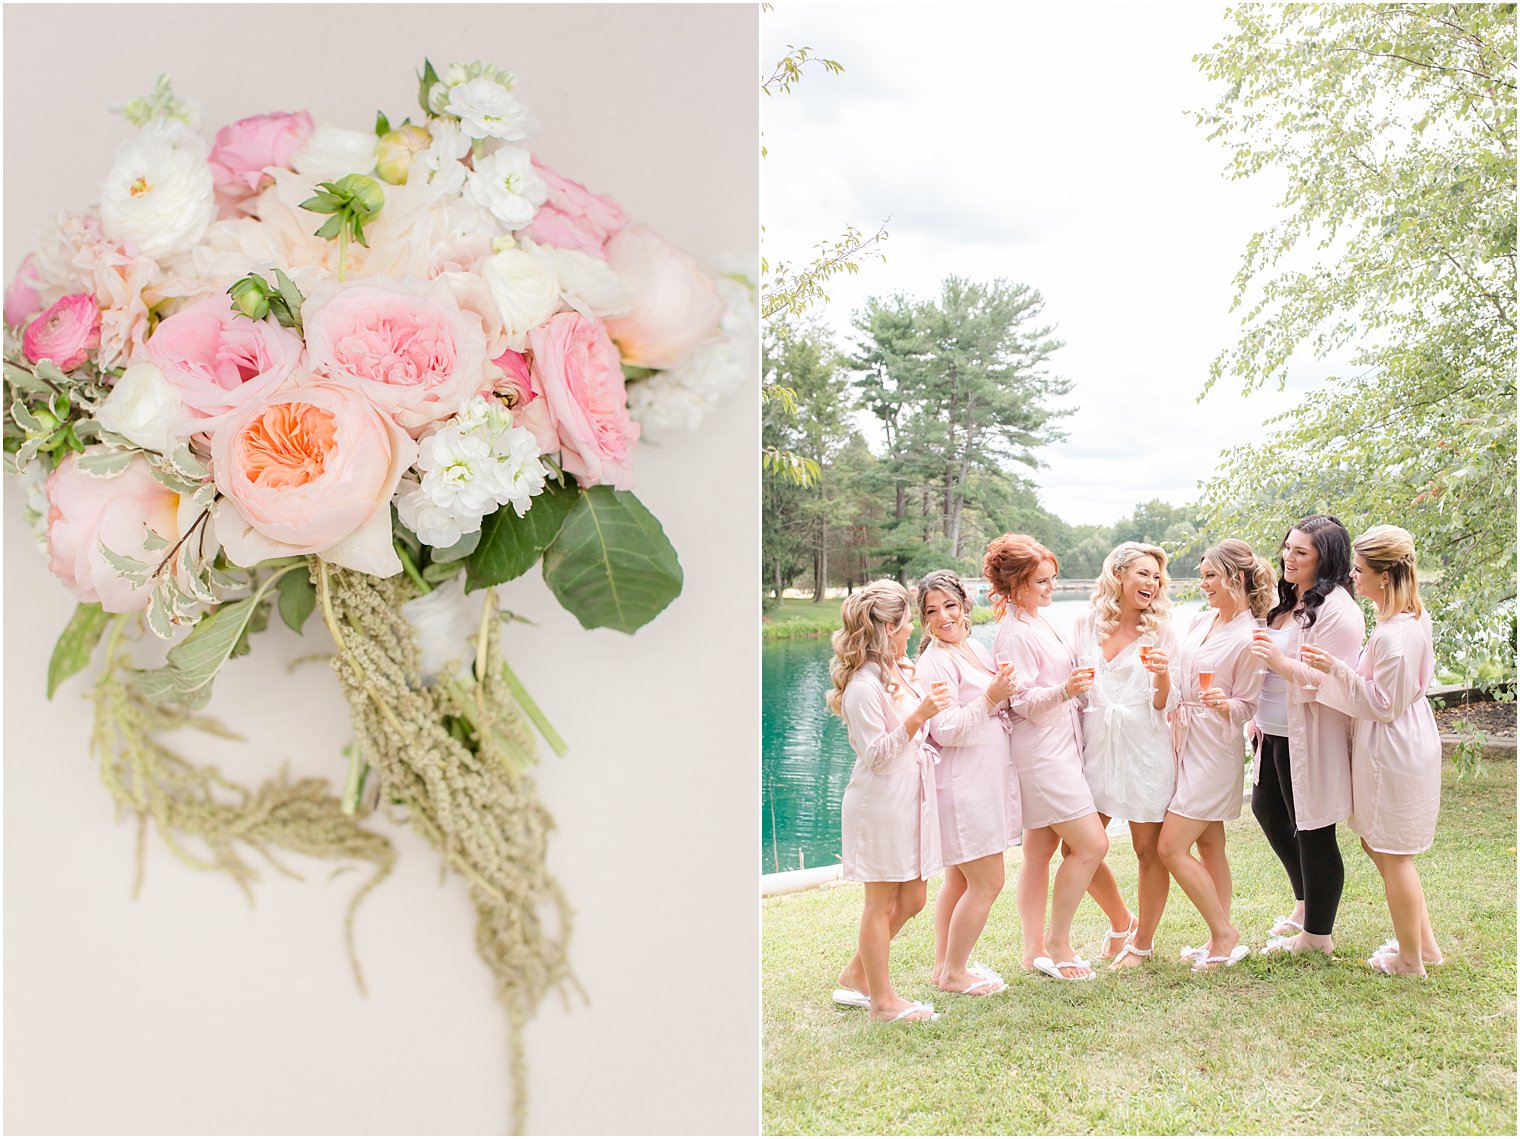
x=1002, y=685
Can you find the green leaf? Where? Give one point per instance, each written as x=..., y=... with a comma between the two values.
x=105, y=464
x=76, y=644
x=611, y=564
x=331, y=227
x=193, y=663
x=323, y=203
x=382, y=125
x=425, y=83
x=298, y=597
x=509, y=546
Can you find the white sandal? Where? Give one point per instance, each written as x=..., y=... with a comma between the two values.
x=1129, y=950
x=1296, y=927
x=1122, y=936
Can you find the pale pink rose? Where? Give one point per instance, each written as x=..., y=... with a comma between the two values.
x=574, y=217
x=676, y=305
x=244, y=150
x=405, y=344
x=86, y=512
x=65, y=333
x=21, y=299
x=310, y=471
x=576, y=366
x=518, y=392
x=218, y=360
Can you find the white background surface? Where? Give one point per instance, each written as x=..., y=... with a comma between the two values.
x=188, y=1012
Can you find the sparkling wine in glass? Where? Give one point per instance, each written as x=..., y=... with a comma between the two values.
x=1306, y=641
x=1261, y=636
x=1205, y=681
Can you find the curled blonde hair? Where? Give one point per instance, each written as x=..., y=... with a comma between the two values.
x=1247, y=575
x=941, y=581
x=1105, y=597
x=868, y=618
x=1390, y=550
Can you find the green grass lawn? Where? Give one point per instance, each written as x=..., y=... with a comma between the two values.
x=796, y=618
x=1271, y=1046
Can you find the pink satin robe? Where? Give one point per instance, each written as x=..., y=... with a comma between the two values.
x=1211, y=747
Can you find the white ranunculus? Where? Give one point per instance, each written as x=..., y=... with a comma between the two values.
x=588, y=283
x=506, y=184
x=332, y=152
x=143, y=408
x=486, y=109
x=158, y=196
x=526, y=291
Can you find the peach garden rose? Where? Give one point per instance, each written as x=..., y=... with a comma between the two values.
x=310, y=471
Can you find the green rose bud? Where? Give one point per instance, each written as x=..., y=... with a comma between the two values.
x=395, y=152
x=250, y=296
x=362, y=193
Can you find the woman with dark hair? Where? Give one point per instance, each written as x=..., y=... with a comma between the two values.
x=974, y=782
x=890, y=835
x=1302, y=772
x=1047, y=750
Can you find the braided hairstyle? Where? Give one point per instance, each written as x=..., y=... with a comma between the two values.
x=1105, y=597
x=941, y=581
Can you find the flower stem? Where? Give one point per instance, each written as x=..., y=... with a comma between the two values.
x=411, y=567
x=540, y=721
x=342, y=253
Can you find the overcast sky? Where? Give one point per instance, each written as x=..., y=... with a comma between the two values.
x=1048, y=144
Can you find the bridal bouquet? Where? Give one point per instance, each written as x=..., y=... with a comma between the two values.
x=354, y=379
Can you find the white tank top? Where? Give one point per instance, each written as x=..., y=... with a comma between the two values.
x=1272, y=705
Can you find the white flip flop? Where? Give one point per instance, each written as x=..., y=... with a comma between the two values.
x=1207, y=964
x=850, y=998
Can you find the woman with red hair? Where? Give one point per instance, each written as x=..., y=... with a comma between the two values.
x=1047, y=751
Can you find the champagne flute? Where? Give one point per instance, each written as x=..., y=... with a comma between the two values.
x=1306, y=641
x=1261, y=636
x=1205, y=681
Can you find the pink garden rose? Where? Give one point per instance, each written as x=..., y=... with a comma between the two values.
x=406, y=344
x=245, y=149
x=576, y=366
x=574, y=217
x=218, y=360
x=21, y=299
x=676, y=305
x=310, y=471
x=64, y=334
x=86, y=512
x=518, y=391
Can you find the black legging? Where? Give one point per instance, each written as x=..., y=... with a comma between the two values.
x=1311, y=858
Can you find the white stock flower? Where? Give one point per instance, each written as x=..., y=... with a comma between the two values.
x=526, y=291
x=332, y=152
x=472, y=465
x=158, y=196
x=486, y=109
x=144, y=409
x=457, y=471
x=440, y=163
x=433, y=524
x=588, y=284
x=506, y=184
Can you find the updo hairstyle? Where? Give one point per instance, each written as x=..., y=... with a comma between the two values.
x=1010, y=564
x=1247, y=575
x=868, y=618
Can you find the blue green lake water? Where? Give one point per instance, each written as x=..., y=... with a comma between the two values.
x=805, y=756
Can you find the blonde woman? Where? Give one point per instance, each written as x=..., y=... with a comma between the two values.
x=1126, y=639
x=891, y=820
x=977, y=791
x=1395, y=749
x=1208, y=732
x=1056, y=802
